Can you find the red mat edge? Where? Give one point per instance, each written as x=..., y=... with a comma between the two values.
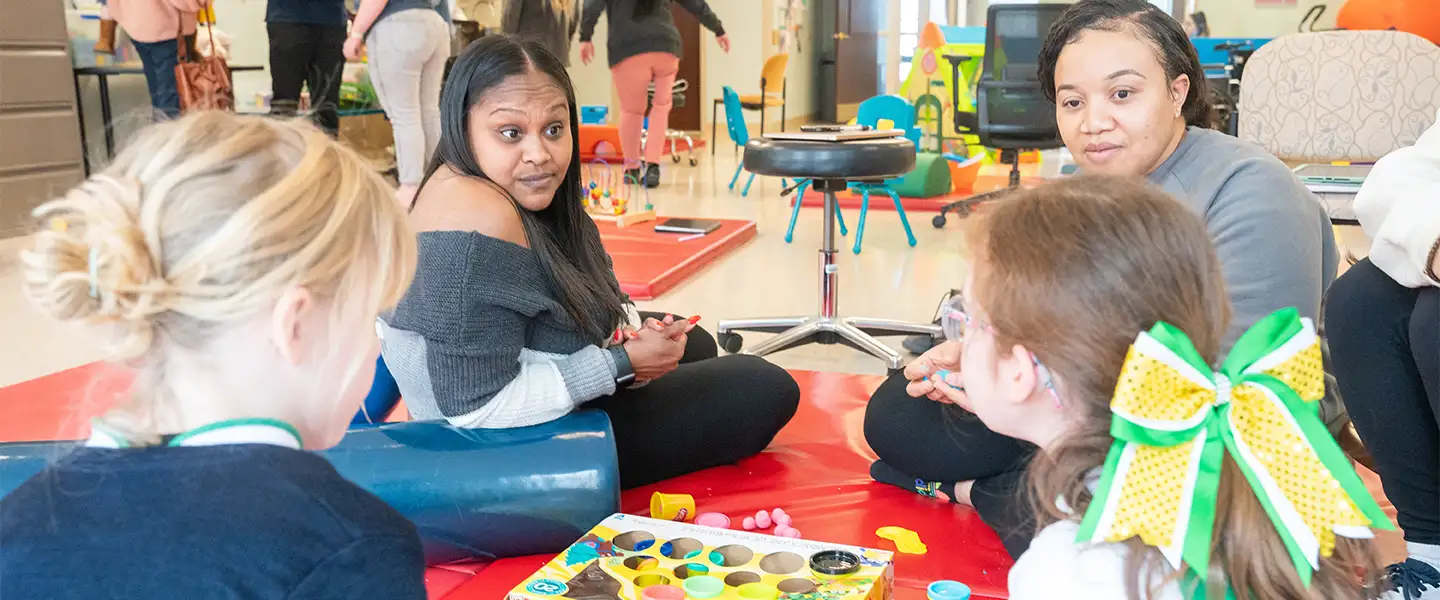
x=851, y=201
x=699, y=143
x=667, y=280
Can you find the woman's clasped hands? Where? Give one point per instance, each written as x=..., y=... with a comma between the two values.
x=655, y=349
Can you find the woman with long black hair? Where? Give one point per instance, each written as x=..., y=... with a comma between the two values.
x=643, y=49
x=515, y=317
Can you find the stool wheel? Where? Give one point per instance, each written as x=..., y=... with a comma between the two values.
x=675, y=158
x=731, y=342
x=938, y=221
x=694, y=161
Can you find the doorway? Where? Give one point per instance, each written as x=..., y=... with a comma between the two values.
x=687, y=117
x=847, y=39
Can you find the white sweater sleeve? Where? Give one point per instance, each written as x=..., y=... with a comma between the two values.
x=537, y=394
x=1055, y=566
x=1399, y=207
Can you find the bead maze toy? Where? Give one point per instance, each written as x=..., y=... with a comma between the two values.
x=627, y=557
x=604, y=200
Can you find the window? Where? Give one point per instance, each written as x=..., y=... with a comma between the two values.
x=913, y=16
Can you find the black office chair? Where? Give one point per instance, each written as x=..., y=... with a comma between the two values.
x=1011, y=111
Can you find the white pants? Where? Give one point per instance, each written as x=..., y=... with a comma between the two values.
x=407, y=53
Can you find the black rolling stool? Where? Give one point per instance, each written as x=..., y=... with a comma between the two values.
x=830, y=165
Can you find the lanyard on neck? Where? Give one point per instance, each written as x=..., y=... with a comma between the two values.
x=231, y=431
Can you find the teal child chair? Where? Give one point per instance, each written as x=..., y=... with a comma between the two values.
x=740, y=134
x=795, y=213
x=899, y=112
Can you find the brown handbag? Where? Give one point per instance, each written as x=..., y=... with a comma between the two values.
x=204, y=81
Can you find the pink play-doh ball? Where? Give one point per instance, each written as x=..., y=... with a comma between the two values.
x=781, y=529
x=780, y=518
x=792, y=532
x=762, y=520
x=712, y=519
x=748, y=523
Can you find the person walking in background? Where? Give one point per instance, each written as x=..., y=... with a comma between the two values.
x=306, y=42
x=409, y=41
x=643, y=48
x=154, y=26
x=551, y=23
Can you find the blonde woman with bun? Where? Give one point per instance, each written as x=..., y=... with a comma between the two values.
x=237, y=264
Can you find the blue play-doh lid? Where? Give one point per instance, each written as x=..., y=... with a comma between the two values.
x=948, y=590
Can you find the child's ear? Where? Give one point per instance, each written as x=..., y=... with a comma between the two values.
x=287, y=320
x=1019, y=372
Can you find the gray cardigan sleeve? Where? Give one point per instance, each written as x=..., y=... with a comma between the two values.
x=472, y=301
x=1275, y=247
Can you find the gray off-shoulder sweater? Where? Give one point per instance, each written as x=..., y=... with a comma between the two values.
x=481, y=339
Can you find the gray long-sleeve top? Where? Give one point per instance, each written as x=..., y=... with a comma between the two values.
x=1274, y=241
x=655, y=32
x=1273, y=238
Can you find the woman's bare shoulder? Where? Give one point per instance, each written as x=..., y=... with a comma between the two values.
x=454, y=202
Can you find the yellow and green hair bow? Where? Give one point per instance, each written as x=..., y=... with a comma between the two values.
x=1174, y=419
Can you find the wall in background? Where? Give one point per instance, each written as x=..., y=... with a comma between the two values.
x=1242, y=18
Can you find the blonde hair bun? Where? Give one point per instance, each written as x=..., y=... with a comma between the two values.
x=205, y=220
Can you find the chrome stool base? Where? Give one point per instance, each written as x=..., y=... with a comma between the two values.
x=827, y=327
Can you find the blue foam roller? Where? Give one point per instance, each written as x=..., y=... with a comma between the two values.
x=472, y=493
x=380, y=402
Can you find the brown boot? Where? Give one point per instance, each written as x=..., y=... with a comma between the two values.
x=106, y=43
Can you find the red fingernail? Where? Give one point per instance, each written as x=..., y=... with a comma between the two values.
x=631, y=335
x=693, y=320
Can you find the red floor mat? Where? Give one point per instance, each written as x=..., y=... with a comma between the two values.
x=817, y=470
x=881, y=201
x=683, y=150
x=649, y=264
x=59, y=406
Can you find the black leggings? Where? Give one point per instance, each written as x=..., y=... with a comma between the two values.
x=302, y=54
x=941, y=442
x=709, y=411
x=1385, y=341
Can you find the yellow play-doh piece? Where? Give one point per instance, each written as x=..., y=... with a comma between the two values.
x=906, y=541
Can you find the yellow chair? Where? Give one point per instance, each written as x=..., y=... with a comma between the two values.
x=772, y=93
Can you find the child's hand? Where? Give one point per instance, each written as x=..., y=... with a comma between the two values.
x=943, y=357
x=724, y=42
x=587, y=52
x=949, y=389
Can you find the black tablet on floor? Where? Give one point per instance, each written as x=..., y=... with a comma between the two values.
x=677, y=225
